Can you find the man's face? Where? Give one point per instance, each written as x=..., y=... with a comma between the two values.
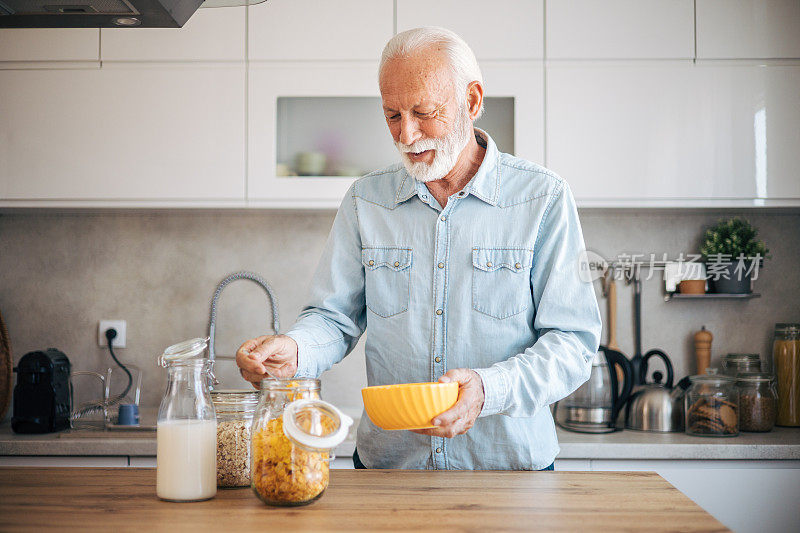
x=429, y=125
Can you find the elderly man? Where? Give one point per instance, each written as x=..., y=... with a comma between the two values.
x=461, y=264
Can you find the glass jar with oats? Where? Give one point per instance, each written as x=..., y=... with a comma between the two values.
x=293, y=437
x=234, y=410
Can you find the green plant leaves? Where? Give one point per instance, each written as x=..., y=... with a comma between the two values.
x=732, y=237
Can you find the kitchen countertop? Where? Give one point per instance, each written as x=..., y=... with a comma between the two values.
x=779, y=444
x=124, y=499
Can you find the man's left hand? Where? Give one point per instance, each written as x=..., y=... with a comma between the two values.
x=459, y=418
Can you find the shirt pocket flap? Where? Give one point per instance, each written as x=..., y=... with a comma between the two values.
x=492, y=259
x=395, y=258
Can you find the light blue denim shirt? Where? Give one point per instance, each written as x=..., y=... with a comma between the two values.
x=491, y=282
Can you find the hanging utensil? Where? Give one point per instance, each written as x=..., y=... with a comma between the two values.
x=6, y=370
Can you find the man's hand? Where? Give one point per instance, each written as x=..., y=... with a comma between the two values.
x=459, y=418
x=268, y=355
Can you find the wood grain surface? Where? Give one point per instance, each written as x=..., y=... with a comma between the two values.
x=124, y=499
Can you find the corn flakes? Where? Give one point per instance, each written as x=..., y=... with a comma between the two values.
x=283, y=473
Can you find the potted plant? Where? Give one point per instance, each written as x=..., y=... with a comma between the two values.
x=732, y=255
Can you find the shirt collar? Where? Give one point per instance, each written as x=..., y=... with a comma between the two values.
x=485, y=184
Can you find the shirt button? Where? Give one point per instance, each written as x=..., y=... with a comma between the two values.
x=397, y=264
x=439, y=311
x=424, y=196
x=489, y=264
x=371, y=262
x=518, y=266
x=444, y=218
x=438, y=450
x=438, y=359
x=440, y=265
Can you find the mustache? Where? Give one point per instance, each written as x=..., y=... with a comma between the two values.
x=420, y=146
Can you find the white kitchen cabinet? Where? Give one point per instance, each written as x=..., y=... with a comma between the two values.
x=284, y=30
x=620, y=29
x=50, y=44
x=750, y=115
x=211, y=34
x=521, y=81
x=745, y=495
x=123, y=136
x=267, y=84
x=693, y=135
x=502, y=29
x=741, y=29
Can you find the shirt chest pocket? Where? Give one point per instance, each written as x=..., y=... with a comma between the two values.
x=501, y=284
x=388, y=279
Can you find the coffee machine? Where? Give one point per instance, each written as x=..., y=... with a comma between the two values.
x=42, y=396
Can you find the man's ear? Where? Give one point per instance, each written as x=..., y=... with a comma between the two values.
x=474, y=99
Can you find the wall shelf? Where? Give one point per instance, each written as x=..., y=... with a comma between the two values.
x=710, y=296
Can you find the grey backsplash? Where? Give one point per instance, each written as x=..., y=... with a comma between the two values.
x=62, y=272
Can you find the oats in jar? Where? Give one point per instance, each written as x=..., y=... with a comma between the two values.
x=233, y=453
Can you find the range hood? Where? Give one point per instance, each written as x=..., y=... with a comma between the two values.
x=104, y=13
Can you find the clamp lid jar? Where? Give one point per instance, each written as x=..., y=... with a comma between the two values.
x=757, y=401
x=294, y=433
x=187, y=427
x=712, y=405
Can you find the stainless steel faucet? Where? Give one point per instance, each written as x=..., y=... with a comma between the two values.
x=213, y=319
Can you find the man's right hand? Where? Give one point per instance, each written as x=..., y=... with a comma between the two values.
x=274, y=355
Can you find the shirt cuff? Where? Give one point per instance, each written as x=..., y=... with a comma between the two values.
x=494, y=390
x=305, y=366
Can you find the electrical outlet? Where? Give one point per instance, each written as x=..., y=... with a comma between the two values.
x=120, y=325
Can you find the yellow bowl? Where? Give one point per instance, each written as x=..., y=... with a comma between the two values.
x=408, y=405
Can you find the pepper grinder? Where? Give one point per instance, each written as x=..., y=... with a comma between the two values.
x=702, y=349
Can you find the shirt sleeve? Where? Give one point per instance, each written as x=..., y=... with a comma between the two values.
x=566, y=320
x=330, y=325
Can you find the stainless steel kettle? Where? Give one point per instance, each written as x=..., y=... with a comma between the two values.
x=655, y=406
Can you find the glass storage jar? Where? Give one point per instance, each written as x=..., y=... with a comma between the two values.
x=712, y=405
x=294, y=433
x=235, y=409
x=186, y=433
x=786, y=359
x=757, y=401
x=736, y=363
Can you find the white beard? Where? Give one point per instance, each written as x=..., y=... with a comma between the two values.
x=446, y=151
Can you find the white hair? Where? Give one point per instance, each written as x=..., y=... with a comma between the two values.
x=463, y=64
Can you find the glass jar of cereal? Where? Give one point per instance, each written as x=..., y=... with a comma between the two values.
x=293, y=437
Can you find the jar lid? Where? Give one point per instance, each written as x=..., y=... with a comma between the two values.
x=711, y=377
x=315, y=424
x=184, y=350
x=743, y=357
x=787, y=328
x=289, y=384
x=755, y=377
x=234, y=399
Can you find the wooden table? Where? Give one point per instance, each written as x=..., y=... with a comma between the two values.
x=124, y=499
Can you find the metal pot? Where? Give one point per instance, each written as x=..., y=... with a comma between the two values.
x=655, y=406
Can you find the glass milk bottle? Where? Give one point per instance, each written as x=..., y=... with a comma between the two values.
x=187, y=427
